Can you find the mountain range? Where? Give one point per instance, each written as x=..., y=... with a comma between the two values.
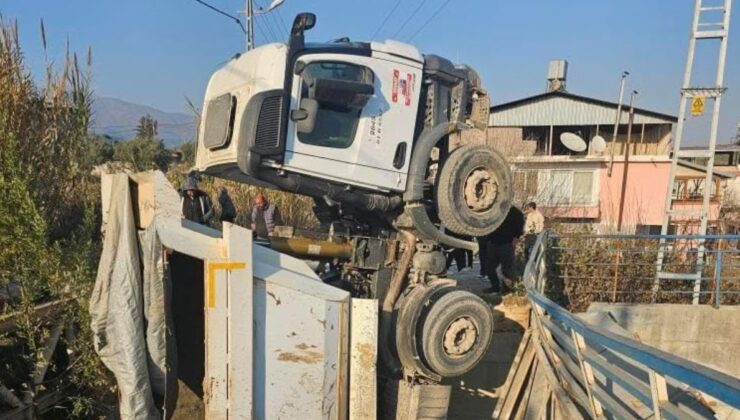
x=118, y=119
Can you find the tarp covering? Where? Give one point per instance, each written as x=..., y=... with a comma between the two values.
x=126, y=307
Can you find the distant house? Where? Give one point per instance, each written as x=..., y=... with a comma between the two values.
x=586, y=187
x=726, y=164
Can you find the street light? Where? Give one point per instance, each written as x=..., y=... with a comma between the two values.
x=273, y=5
x=251, y=13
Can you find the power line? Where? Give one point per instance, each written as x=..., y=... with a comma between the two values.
x=388, y=16
x=281, y=34
x=275, y=23
x=411, y=16
x=262, y=31
x=269, y=25
x=282, y=22
x=428, y=20
x=221, y=12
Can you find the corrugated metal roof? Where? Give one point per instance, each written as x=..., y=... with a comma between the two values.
x=701, y=169
x=563, y=108
x=719, y=148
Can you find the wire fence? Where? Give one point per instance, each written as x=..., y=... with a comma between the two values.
x=643, y=269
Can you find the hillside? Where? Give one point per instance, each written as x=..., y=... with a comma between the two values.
x=118, y=119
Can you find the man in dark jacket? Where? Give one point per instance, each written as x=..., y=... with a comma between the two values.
x=499, y=250
x=228, y=211
x=196, y=205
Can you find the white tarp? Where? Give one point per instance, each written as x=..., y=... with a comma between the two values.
x=130, y=347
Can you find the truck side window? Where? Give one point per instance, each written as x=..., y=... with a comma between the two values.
x=336, y=125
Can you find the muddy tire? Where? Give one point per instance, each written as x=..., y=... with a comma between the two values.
x=474, y=191
x=456, y=333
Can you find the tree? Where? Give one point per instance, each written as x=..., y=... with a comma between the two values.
x=147, y=128
x=187, y=150
x=143, y=153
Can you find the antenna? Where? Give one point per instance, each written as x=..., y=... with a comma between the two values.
x=573, y=142
x=598, y=144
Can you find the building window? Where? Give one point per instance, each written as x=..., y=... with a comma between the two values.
x=525, y=185
x=566, y=187
x=722, y=159
x=583, y=184
x=692, y=189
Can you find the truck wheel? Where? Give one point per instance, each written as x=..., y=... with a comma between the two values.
x=474, y=190
x=456, y=333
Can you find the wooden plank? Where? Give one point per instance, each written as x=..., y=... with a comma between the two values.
x=567, y=406
x=238, y=243
x=516, y=364
x=588, y=375
x=659, y=392
x=506, y=405
x=524, y=402
x=538, y=398
x=41, y=313
x=215, y=381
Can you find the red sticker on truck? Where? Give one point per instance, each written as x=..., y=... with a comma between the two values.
x=408, y=88
x=394, y=91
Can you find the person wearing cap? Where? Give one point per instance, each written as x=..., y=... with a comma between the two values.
x=265, y=216
x=196, y=204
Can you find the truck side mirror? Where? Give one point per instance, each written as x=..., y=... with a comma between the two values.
x=305, y=116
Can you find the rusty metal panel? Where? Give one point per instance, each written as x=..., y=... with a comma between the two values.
x=300, y=333
x=363, y=359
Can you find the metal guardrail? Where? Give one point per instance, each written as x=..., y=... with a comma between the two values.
x=593, y=371
x=623, y=268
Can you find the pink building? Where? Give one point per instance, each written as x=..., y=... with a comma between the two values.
x=587, y=187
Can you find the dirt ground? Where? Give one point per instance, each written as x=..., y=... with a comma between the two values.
x=474, y=395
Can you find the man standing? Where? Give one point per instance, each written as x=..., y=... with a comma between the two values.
x=500, y=246
x=196, y=205
x=265, y=216
x=533, y=226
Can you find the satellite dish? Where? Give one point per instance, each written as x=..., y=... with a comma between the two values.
x=573, y=142
x=598, y=144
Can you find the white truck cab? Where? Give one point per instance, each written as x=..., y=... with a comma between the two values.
x=355, y=125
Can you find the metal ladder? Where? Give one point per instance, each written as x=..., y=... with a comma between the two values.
x=700, y=31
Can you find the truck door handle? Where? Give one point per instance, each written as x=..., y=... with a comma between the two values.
x=400, y=157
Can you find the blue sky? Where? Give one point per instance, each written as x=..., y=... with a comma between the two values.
x=157, y=52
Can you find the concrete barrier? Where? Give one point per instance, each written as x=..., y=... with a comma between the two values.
x=700, y=333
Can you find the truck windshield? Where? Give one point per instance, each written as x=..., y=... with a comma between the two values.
x=335, y=125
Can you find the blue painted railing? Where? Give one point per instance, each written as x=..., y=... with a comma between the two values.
x=576, y=351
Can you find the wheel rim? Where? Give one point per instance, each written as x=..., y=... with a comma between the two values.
x=460, y=337
x=481, y=190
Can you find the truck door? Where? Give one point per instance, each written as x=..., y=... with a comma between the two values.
x=367, y=145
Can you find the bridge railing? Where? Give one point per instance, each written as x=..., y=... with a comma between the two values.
x=593, y=371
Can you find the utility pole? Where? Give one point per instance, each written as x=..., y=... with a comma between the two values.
x=626, y=160
x=617, y=120
x=251, y=14
x=250, y=24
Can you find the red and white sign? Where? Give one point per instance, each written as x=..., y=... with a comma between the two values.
x=405, y=85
